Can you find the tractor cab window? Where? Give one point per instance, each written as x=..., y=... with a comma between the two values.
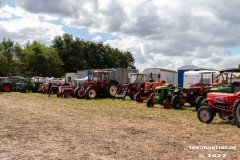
x=159, y=91
x=104, y=76
x=165, y=92
x=133, y=78
x=139, y=78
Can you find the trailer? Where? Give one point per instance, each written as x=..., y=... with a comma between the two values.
x=167, y=75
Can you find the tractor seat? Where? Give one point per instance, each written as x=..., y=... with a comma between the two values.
x=172, y=88
x=236, y=86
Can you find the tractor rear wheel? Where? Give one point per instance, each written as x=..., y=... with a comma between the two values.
x=91, y=93
x=138, y=97
x=167, y=103
x=177, y=102
x=6, y=88
x=150, y=103
x=198, y=102
x=111, y=89
x=236, y=112
x=205, y=114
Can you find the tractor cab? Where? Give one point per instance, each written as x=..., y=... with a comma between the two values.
x=230, y=81
x=99, y=83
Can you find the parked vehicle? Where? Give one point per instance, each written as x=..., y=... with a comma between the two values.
x=190, y=94
x=130, y=89
x=65, y=91
x=147, y=88
x=227, y=105
x=162, y=95
x=11, y=83
x=229, y=82
x=97, y=84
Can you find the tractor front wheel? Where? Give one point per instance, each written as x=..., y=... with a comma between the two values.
x=177, y=102
x=150, y=103
x=138, y=97
x=59, y=94
x=236, y=112
x=78, y=93
x=167, y=103
x=91, y=93
x=205, y=114
x=66, y=94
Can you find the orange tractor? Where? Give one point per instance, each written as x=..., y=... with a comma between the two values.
x=148, y=88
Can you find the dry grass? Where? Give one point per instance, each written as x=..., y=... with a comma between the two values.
x=34, y=126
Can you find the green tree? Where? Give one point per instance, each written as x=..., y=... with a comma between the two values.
x=7, y=52
x=40, y=60
x=77, y=54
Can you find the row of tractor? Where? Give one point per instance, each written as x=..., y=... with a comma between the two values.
x=221, y=96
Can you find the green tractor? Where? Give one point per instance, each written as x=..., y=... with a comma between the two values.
x=163, y=95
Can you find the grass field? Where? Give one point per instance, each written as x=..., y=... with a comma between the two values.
x=34, y=126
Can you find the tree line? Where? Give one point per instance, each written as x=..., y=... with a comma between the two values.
x=65, y=54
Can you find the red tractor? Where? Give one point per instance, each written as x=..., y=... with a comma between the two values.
x=65, y=91
x=190, y=94
x=227, y=105
x=227, y=76
x=130, y=89
x=99, y=83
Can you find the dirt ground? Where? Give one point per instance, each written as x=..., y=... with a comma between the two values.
x=33, y=126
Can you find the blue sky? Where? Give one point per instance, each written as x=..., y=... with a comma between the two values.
x=166, y=34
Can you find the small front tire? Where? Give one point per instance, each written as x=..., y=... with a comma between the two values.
x=205, y=114
x=177, y=102
x=167, y=103
x=150, y=103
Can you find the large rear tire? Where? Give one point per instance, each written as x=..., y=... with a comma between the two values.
x=177, y=102
x=111, y=89
x=198, y=102
x=205, y=114
x=91, y=93
x=236, y=112
x=6, y=87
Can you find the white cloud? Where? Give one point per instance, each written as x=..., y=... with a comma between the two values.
x=97, y=38
x=21, y=26
x=164, y=34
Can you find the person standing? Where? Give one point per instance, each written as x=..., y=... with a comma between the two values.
x=49, y=88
